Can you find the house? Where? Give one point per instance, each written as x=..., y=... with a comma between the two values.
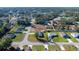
x=76, y=35
x=52, y=35
x=72, y=27
x=9, y=35
x=41, y=34
x=64, y=35
x=19, y=30
x=77, y=23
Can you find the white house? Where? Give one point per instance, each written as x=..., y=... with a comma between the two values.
x=75, y=34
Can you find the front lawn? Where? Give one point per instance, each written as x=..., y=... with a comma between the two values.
x=70, y=48
x=32, y=38
x=38, y=48
x=72, y=38
x=19, y=37
x=54, y=48
x=59, y=38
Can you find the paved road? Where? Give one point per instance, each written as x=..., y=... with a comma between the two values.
x=26, y=42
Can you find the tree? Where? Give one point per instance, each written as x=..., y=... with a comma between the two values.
x=5, y=43
x=24, y=22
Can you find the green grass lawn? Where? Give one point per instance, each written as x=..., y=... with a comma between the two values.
x=38, y=48
x=56, y=39
x=54, y=48
x=32, y=38
x=59, y=38
x=72, y=38
x=70, y=48
x=19, y=37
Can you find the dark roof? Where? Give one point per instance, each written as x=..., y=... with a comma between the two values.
x=19, y=30
x=52, y=35
x=40, y=34
x=76, y=35
x=10, y=36
x=66, y=36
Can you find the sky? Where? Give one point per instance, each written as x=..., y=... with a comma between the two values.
x=39, y=3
